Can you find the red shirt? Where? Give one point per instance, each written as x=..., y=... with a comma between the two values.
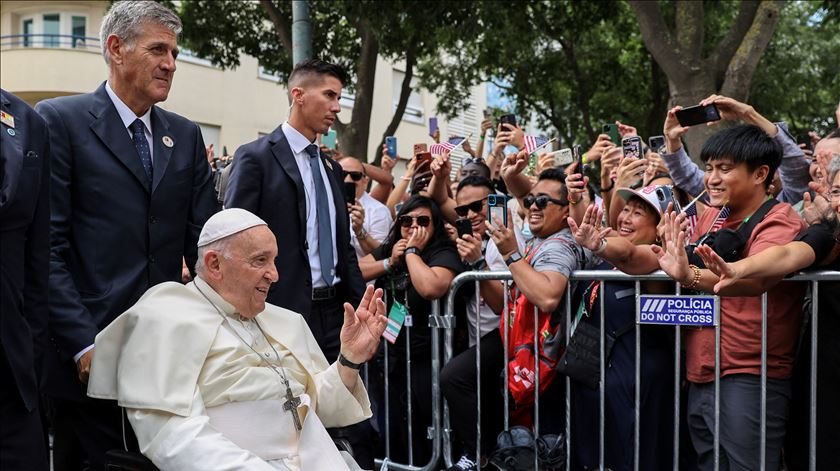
x=740, y=338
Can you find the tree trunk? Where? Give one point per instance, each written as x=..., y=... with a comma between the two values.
x=727, y=71
x=405, y=93
x=353, y=136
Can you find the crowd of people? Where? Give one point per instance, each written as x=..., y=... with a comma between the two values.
x=214, y=313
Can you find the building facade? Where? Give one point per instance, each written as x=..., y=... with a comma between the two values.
x=51, y=48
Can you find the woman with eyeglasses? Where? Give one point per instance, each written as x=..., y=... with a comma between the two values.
x=636, y=225
x=415, y=266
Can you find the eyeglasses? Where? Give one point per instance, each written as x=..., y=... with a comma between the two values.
x=356, y=176
x=470, y=160
x=542, y=201
x=475, y=206
x=834, y=194
x=407, y=221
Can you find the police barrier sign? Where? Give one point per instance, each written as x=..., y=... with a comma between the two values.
x=677, y=310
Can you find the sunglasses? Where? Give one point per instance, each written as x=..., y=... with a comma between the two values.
x=470, y=160
x=422, y=221
x=356, y=176
x=542, y=201
x=475, y=206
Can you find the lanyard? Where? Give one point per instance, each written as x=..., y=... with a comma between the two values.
x=592, y=291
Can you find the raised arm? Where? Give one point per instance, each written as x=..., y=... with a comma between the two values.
x=772, y=262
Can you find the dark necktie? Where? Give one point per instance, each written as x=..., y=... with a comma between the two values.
x=138, y=135
x=325, y=253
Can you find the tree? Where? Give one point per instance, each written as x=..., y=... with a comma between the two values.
x=352, y=33
x=700, y=60
x=577, y=65
x=798, y=77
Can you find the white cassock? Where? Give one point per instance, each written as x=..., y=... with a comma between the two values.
x=199, y=398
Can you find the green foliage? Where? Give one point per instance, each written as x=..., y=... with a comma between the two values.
x=576, y=64
x=798, y=78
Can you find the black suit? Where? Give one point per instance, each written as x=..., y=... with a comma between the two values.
x=115, y=232
x=24, y=274
x=266, y=181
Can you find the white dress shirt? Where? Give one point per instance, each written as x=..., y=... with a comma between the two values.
x=127, y=116
x=298, y=143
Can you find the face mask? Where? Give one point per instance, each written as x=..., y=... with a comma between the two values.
x=526, y=231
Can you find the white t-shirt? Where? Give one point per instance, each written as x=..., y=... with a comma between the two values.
x=377, y=222
x=489, y=320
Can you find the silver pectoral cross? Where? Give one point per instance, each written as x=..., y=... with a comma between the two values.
x=291, y=405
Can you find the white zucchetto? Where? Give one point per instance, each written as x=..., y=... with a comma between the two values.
x=227, y=223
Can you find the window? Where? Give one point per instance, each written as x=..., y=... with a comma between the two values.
x=77, y=29
x=52, y=30
x=210, y=134
x=414, y=107
x=28, y=31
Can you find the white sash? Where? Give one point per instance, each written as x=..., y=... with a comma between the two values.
x=266, y=430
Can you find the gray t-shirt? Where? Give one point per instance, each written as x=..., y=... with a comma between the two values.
x=560, y=253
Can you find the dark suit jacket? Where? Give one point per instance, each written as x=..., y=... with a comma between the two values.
x=24, y=243
x=266, y=181
x=115, y=233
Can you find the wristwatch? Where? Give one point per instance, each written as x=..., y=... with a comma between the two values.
x=514, y=257
x=349, y=364
x=479, y=264
x=413, y=250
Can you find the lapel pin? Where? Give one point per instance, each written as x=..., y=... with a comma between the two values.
x=7, y=119
x=10, y=131
x=329, y=164
x=167, y=141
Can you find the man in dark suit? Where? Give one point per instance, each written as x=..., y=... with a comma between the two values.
x=285, y=180
x=24, y=274
x=131, y=189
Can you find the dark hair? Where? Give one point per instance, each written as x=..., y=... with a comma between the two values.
x=477, y=163
x=475, y=180
x=747, y=144
x=439, y=237
x=833, y=134
x=310, y=67
x=555, y=174
x=645, y=206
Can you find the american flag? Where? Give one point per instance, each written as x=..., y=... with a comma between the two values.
x=444, y=147
x=531, y=142
x=691, y=217
x=721, y=218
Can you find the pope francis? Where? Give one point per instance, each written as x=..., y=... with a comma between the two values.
x=213, y=378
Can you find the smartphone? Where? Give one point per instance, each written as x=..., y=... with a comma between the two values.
x=418, y=148
x=612, y=131
x=350, y=192
x=698, y=115
x=391, y=146
x=463, y=226
x=508, y=119
x=631, y=147
x=805, y=139
x=563, y=157
x=665, y=194
x=577, y=154
x=497, y=205
x=424, y=161
x=330, y=139
x=656, y=143
x=488, y=113
x=433, y=125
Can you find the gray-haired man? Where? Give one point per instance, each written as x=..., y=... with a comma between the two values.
x=131, y=189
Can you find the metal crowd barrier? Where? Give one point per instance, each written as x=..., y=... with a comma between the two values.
x=439, y=432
